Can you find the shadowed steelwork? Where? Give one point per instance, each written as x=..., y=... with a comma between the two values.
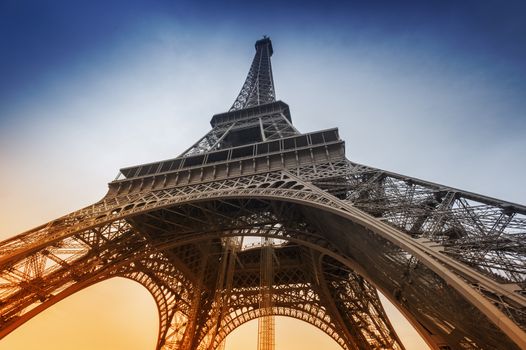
x=334, y=233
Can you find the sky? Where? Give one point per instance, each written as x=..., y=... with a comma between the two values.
x=434, y=90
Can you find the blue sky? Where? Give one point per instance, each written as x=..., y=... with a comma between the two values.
x=431, y=89
x=40, y=38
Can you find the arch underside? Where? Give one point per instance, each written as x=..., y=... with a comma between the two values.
x=172, y=241
x=308, y=286
x=313, y=317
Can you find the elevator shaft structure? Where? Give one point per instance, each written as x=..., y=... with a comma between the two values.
x=266, y=325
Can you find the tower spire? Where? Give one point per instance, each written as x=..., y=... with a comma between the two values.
x=259, y=86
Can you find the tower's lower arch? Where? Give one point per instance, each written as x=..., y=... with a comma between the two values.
x=172, y=242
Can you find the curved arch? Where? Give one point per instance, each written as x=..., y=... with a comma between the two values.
x=163, y=297
x=109, y=314
x=296, y=313
x=428, y=257
x=163, y=302
x=154, y=288
x=315, y=198
x=64, y=295
x=432, y=259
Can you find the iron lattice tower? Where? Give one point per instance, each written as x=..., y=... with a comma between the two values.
x=454, y=262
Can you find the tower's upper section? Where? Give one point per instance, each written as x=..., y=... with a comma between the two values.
x=256, y=135
x=264, y=42
x=258, y=88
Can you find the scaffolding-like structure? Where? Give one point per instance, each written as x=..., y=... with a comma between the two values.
x=266, y=323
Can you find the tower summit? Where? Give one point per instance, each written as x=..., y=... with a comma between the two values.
x=258, y=88
x=452, y=261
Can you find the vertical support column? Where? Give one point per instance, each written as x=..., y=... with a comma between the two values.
x=266, y=331
x=223, y=289
x=190, y=338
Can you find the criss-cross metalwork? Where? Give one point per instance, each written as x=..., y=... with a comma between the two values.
x=453, y=262
x=258, y=88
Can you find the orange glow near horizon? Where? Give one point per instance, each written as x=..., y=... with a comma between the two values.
x=121, y=314
x=101, y=317
x=114, y=314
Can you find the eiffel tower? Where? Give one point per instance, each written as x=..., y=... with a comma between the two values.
x=257, y=219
